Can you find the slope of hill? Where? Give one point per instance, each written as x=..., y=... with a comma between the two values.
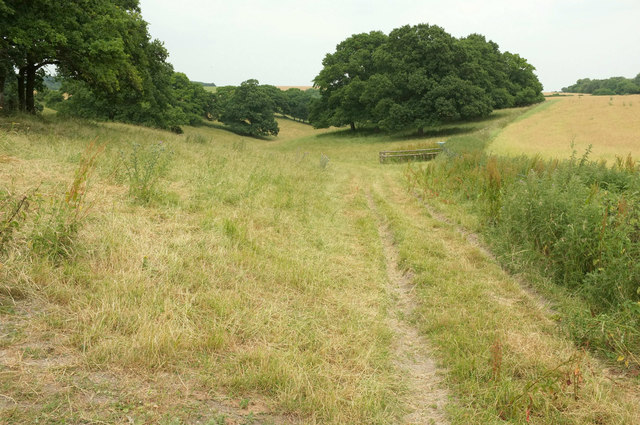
x=292, y=280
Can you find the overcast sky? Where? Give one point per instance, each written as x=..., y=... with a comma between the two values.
x=283, y=42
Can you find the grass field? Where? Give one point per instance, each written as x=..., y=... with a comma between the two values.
x=611, y=124
x=253, y=286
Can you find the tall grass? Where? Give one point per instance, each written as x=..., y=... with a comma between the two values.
x=577, y=220
x=244, y=286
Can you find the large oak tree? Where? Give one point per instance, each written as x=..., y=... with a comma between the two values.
x=419, y=76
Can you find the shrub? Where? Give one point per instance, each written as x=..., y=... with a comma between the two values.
x=143, y=168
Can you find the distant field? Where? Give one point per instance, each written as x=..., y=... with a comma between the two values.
x=213, y=89
x=295, y=87
x=610, y=123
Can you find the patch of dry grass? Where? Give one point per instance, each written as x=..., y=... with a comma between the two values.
x=236, y=279
x=610, y=123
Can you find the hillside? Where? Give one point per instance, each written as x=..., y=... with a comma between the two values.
x=290, y=280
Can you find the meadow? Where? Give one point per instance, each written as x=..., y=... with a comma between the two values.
x=148, y=277
x=610, y=124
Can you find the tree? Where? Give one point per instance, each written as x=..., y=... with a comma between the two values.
x=191, y=98
x=424, y=66
x=523, y=83
x=299, y=101
x=419, y=76
x=486, y=67
x=89, y=40
x=342, y=81
x=279, y=99
x=609, y=86
x=248, y=109
x=5, y=61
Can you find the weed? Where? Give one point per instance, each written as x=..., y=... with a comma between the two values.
x=324, y=161
x=59, y=219
x=143, y=169
x=13, y=212
x=578, y=219
x=197, y=138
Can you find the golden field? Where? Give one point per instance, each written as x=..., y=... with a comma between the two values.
x=611, y=124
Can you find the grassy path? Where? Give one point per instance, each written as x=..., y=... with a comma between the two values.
x=413, y=357
x=293, y=281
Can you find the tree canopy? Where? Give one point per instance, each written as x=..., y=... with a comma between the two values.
x=609, y=86
x=419, y=76
x=108, y=63
x=248, y=109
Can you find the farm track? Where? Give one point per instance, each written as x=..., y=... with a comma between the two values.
x=412, y=353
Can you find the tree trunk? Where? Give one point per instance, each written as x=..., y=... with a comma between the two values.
x=3, y=79
x=353, y=126
x=421, y=131
x=30, y=88
x=21, y=75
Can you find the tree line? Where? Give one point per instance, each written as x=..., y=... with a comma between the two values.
x=108, y=63
x=109, y=68
x=250, y=108
x=608, y=86
x=419, y=76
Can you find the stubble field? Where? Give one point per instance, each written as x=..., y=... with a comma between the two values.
x=611, y=124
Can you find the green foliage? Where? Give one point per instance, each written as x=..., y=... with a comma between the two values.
x=419, y=76
x=87, y=40
x=52, y=98
x=191, y=98
x=606, y=87
x=143, y=168
x=342, y=81
x=578, y=220
x=248, y=109
x=106, y=59
x=298, y=103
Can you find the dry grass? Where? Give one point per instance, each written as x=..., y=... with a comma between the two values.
x=252, y=286
x=610, y=123
x=236, y=280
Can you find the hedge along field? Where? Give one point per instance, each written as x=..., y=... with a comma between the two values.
x=611, y=124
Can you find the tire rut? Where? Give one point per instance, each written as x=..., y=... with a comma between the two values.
x=426, y=394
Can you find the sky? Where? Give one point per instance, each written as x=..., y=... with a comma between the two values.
x=283, y=42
